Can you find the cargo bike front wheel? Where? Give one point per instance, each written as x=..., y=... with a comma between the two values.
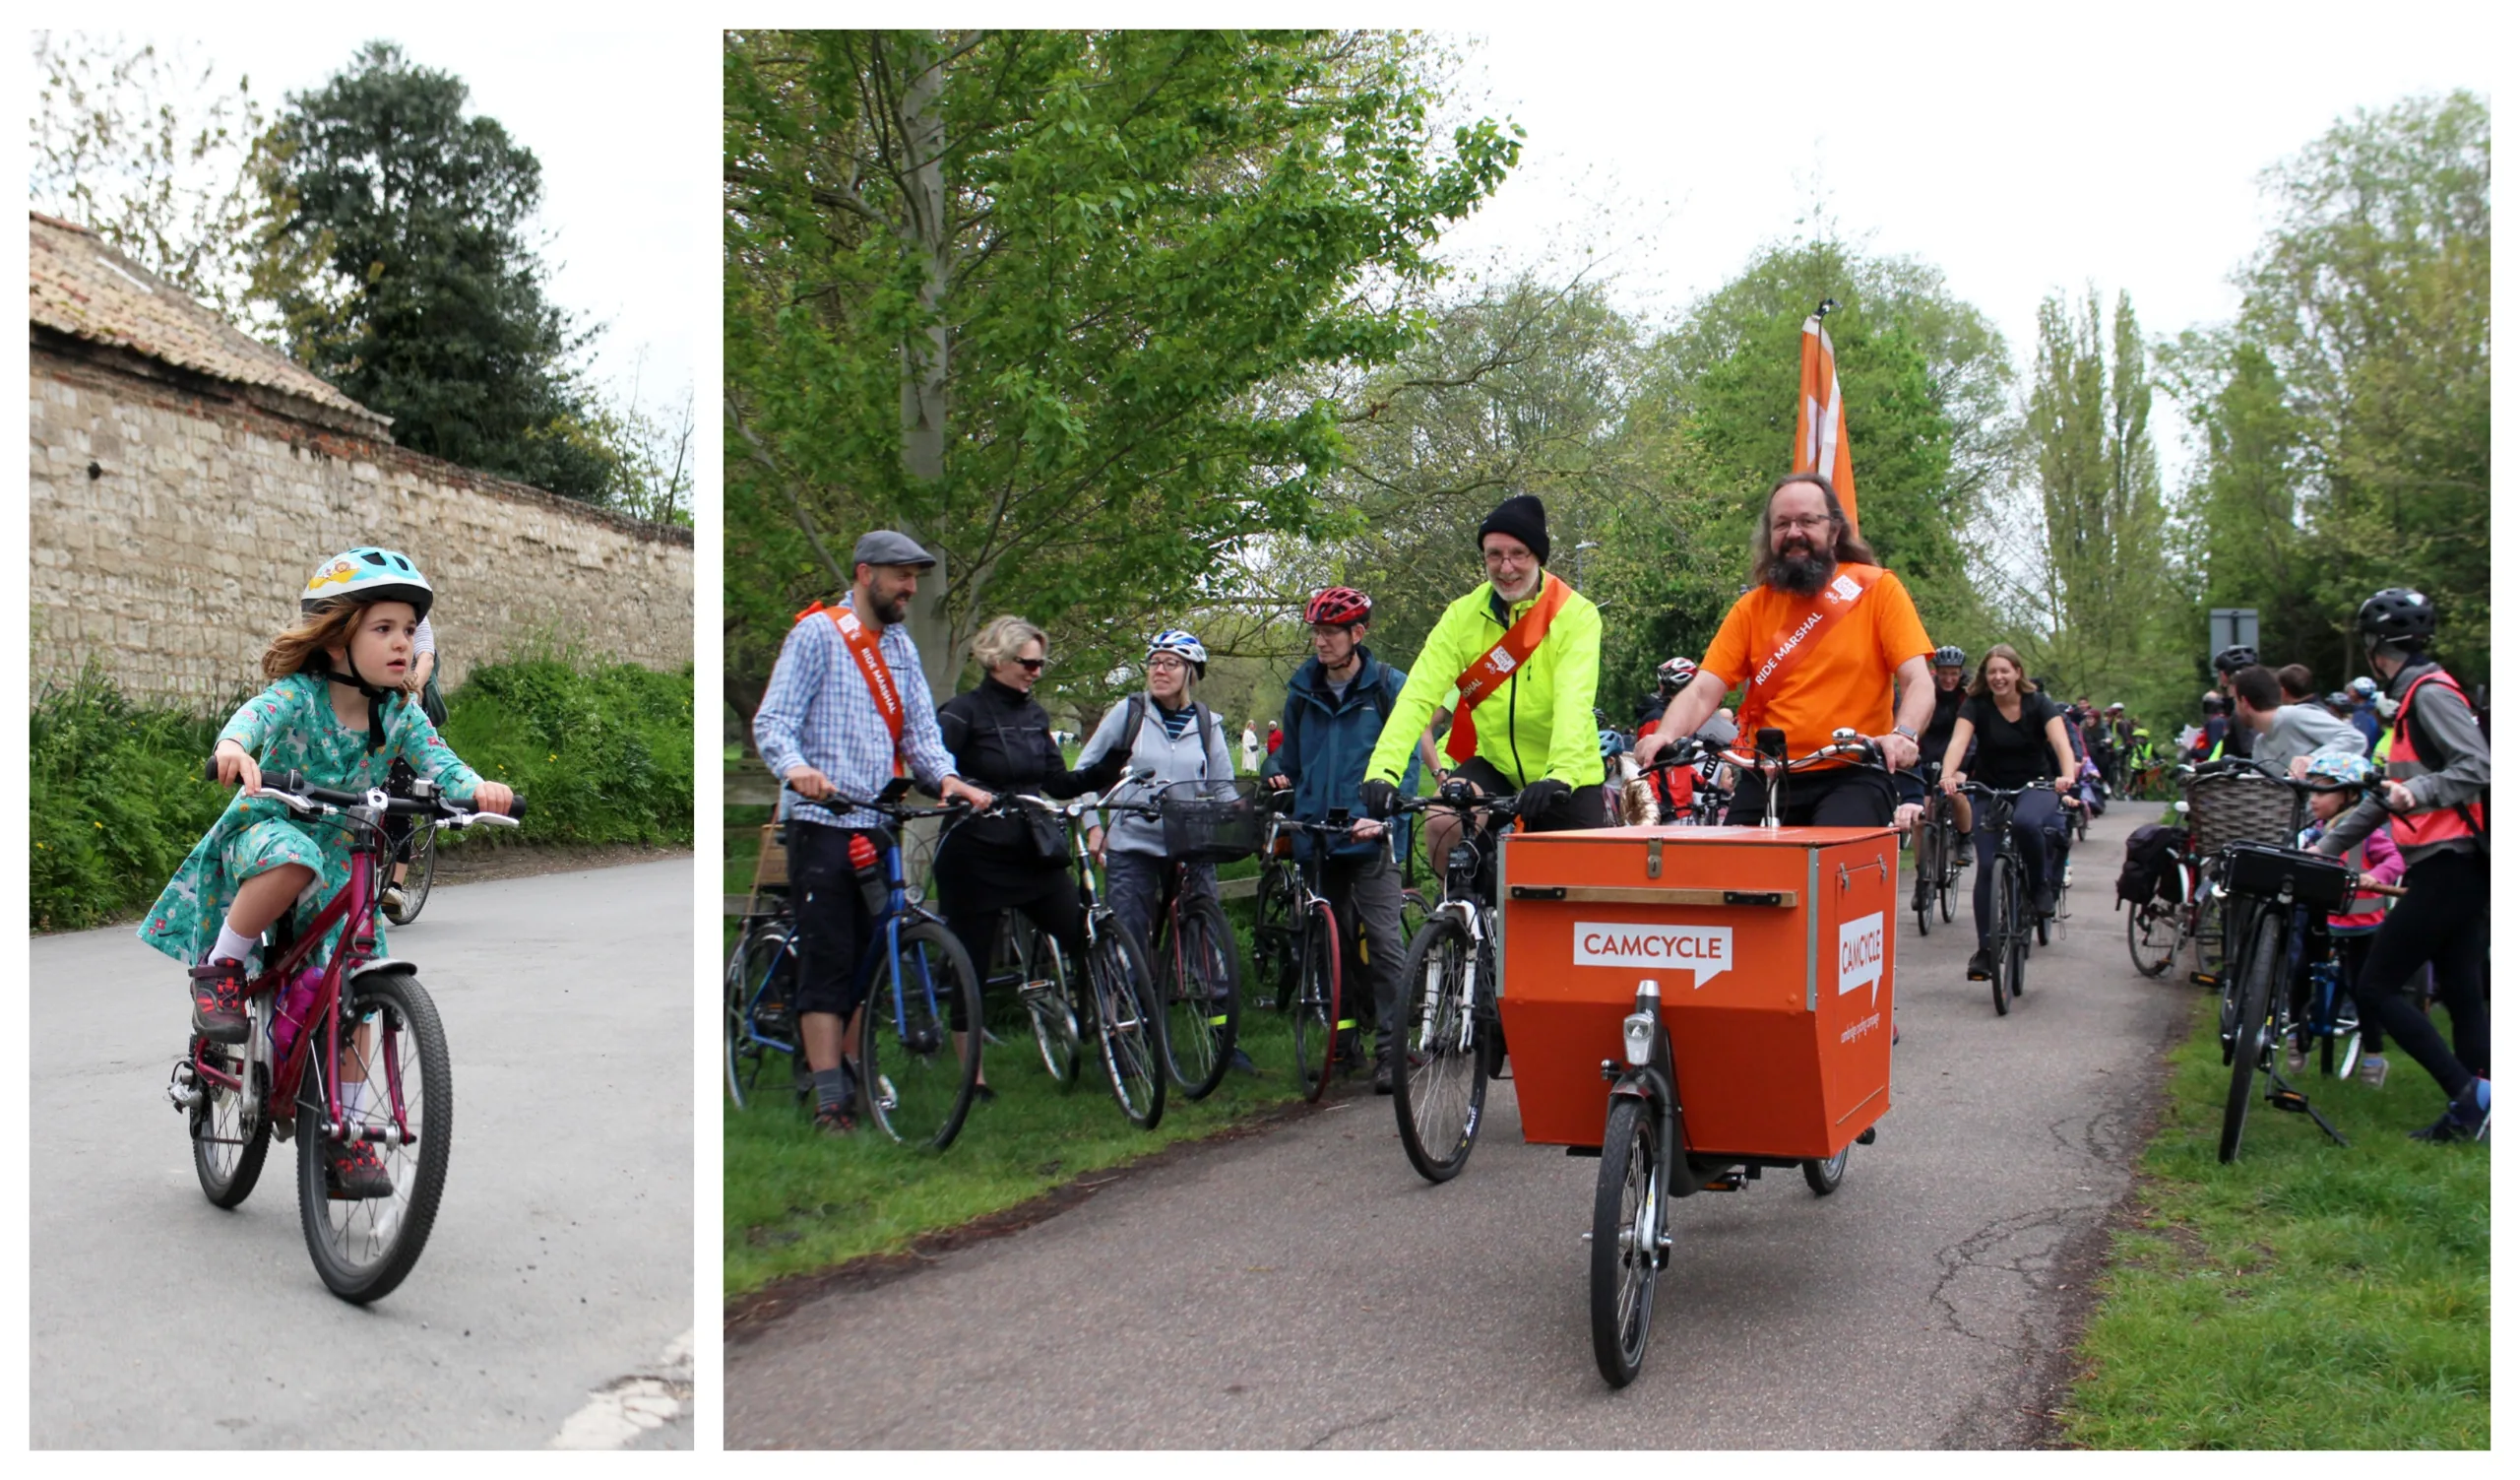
x=1631, y=1205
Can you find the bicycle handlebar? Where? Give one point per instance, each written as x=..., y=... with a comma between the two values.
x=293, y=789
x=1689, y=750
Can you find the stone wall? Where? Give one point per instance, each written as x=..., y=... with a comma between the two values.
x=173, y=521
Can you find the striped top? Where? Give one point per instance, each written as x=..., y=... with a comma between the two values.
x=818, y=712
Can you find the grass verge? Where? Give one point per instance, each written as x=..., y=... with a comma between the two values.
x=2308, y=1296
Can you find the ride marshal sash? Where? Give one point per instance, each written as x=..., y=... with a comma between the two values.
x=1495, y=666
x=864, y=646
x=1805, y=623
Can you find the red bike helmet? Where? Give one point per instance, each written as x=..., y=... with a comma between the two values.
x=1337, y=606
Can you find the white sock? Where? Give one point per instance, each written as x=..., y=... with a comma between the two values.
x=351, y=1094
x=232, y=946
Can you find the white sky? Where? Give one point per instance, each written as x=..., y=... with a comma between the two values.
x=2023, y=150
x=625, y=125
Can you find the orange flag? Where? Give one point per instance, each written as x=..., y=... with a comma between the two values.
x=1820, y=423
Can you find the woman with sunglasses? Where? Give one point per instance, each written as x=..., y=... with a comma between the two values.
x=990, y=865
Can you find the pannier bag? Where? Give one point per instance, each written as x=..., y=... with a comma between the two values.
x=2262, y=873
x=2148, y=870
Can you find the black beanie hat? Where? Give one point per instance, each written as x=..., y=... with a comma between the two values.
x=1521, y=517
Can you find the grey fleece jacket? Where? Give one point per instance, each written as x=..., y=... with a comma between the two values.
x=2465, y=769
x=2303, y=730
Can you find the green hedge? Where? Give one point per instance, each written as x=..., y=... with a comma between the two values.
x=603, y=754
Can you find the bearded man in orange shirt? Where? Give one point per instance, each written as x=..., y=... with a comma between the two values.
x=1819, y=640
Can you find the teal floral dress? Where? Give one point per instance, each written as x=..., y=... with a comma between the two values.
x=290, y=726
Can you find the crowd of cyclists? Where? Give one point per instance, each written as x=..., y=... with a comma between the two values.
x=1501, y=697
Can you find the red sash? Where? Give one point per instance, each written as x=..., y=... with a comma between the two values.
x=1493, y=666
x=1803, y=626
x=863, y=646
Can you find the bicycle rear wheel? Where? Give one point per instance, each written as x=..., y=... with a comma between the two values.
x=1049, y=1000
x=1317, y=1007
x=2254, y=1038
x=1629, y=1202
x=2152, y=935
x=760, y=982
x=363, y=1247
x=1436, y=1088
x=1127, y=1027
x=1202, y=996
x=228, y=1146
x=423, y=870
x=917, y=1084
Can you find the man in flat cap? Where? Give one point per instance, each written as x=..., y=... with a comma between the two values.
x=848, y=710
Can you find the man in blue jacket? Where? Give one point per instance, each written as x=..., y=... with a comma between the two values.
x=1335, y=705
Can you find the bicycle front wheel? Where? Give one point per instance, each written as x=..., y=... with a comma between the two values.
x=393, y=1050
x=1629, y=1201
x=1436, y=1088
x=916, y=1077
x=1202, y=996
x=1317, y=1007
x=759, y=983
x=1126, y=1025
x=2254, y=1038
x=2005, y=896
x=1272, y=927
x=1929, y=878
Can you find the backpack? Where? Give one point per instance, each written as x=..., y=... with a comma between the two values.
x=1136, y=722
x=2148, y=871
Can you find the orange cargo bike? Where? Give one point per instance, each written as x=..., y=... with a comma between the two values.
x=1695, y=1005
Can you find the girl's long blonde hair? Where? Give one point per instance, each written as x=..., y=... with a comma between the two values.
x=302, y=646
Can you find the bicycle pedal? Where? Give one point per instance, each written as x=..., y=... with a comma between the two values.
x=2205, y=979
x=2289, y=1099
x=1730, y=1182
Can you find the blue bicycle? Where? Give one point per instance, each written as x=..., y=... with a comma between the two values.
x=918, y=1048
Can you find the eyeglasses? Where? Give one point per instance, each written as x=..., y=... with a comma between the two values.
x=1031, y=664
x=1787, y=526
x=1166, y=663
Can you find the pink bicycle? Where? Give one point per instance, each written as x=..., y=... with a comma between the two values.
x=383, y=1077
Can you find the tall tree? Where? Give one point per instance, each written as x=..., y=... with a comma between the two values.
x=1046, y=301
x=2097, y=595
x=432, y=309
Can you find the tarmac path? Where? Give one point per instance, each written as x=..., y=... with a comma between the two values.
x=1303, y=1288
x=553, y=1303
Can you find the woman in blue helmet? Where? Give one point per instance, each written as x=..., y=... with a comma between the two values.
x=1165, y=731
x=341, y=709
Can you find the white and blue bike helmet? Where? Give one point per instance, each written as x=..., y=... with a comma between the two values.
x=1182, y=645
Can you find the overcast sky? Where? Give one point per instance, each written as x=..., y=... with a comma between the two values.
x=625, y=125
x=2023, y=150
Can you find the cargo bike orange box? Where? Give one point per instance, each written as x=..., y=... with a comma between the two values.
x=1774, y=951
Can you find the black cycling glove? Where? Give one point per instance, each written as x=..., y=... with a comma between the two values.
x=1538, y=798
x=1380, y=797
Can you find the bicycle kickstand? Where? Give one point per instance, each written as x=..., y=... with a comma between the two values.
x=2284, y=1096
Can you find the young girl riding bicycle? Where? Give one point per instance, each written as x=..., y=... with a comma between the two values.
x=343, y=706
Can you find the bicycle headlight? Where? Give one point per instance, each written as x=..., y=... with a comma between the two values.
x=1638, y=1030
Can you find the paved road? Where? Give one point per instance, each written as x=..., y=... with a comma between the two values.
x=1304, y=1289
x=560, y=1267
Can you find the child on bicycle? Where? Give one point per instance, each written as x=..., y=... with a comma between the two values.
x=2374, y=861
x=343, y=706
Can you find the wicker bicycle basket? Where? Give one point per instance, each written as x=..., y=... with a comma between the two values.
x=1212, y=821
x=2236, y=807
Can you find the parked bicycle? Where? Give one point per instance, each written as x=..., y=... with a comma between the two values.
x=1450, y=1043
x=383, y=1077
x=1120, y=1008
x=1198, y=970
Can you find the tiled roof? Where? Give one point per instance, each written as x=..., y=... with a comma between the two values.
x=77, y=284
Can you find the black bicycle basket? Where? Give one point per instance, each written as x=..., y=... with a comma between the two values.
x=1212, y=821
x=2263, y=872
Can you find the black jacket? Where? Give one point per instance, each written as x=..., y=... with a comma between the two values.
x=1000, y=742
